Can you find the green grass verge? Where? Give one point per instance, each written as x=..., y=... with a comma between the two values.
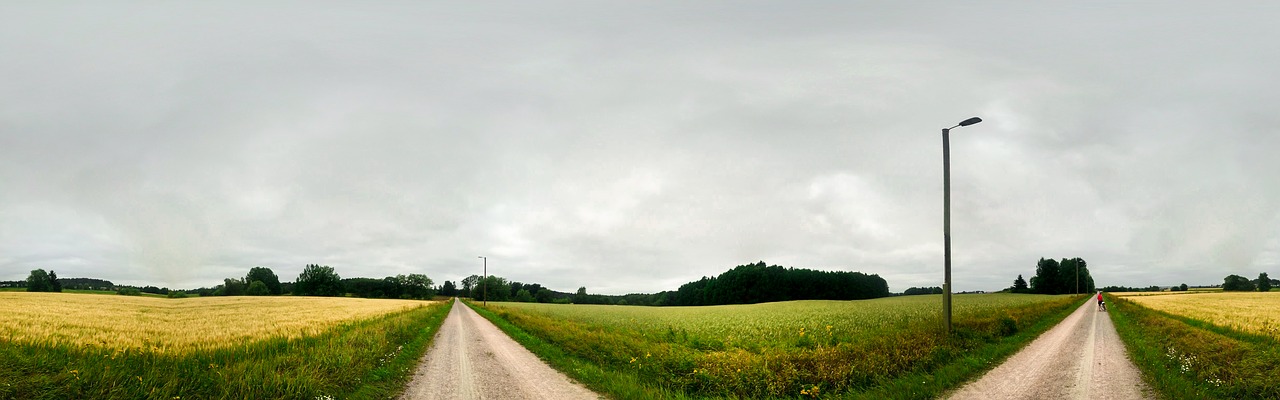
x=369, y=359
x=971, y=351
x=1184, y=358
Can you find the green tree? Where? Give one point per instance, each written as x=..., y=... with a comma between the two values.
x=416, y=286
x=1264, y=282
x=55, y=286
x=496, y=288
x=523, y=296
x=38, y=281
x=257, y=288
x=267, y=277
x=544, y=295
x=1047, y=279
x=1074, y=276
x=448, y=289
x=469, y=287
x=233, y=287
x=1020, y=285
x=316, y=280
x=1183, y=287
x=1237, y=283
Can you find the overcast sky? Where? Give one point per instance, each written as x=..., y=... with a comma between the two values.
x=632, y=147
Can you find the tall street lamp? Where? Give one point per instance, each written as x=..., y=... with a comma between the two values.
x=485, y=281
x=946, y=218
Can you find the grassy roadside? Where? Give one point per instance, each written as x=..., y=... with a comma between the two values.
x=1184, y=358
x=367, y=359
x=978, y=345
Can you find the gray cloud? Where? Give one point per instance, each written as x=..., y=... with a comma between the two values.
x=628, y=147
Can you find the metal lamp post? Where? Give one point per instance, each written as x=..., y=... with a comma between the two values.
x=946, y=218
x=485, y=281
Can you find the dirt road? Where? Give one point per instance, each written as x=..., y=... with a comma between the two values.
x=1081, y=358
x=472, y=359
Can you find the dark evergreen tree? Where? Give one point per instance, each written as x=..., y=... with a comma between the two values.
x=1263, y=284
x=55, y=286
x=1020, y=285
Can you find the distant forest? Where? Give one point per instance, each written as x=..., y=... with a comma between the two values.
x=758, y=283
x=744, y=284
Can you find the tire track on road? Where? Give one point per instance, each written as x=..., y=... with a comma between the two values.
x=1080, y=358
x=471, y=359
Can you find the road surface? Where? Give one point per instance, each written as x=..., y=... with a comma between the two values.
x=1080, y=358
x=471, y=359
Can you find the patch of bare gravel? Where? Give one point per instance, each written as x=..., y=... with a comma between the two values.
x=472, y=359
x=1080, y=358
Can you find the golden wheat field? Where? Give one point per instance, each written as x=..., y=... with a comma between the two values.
x=1254, y=312
x=176, y=325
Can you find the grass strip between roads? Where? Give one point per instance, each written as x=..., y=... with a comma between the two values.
x=1185, y=358
x=968, y=354
x=368, y=359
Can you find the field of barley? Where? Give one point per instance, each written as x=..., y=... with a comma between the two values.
x=176, y=325
x=1253, y=312
x=1203, y=344
x=65, y=345
x=859, y=348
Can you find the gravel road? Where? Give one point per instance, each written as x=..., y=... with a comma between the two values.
x=1081, y=358
x=472, y=359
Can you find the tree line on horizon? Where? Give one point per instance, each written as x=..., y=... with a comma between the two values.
x=1237, y=283
x=315, y=280
x=744, y=284
x=1071, y=275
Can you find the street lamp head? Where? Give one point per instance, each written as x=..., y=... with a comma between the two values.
x=970, y=121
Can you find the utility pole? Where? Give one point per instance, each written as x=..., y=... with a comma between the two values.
x=485, y=282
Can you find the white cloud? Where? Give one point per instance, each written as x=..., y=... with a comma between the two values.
x=631, y=148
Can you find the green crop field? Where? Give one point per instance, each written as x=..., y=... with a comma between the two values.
x=866, y=348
